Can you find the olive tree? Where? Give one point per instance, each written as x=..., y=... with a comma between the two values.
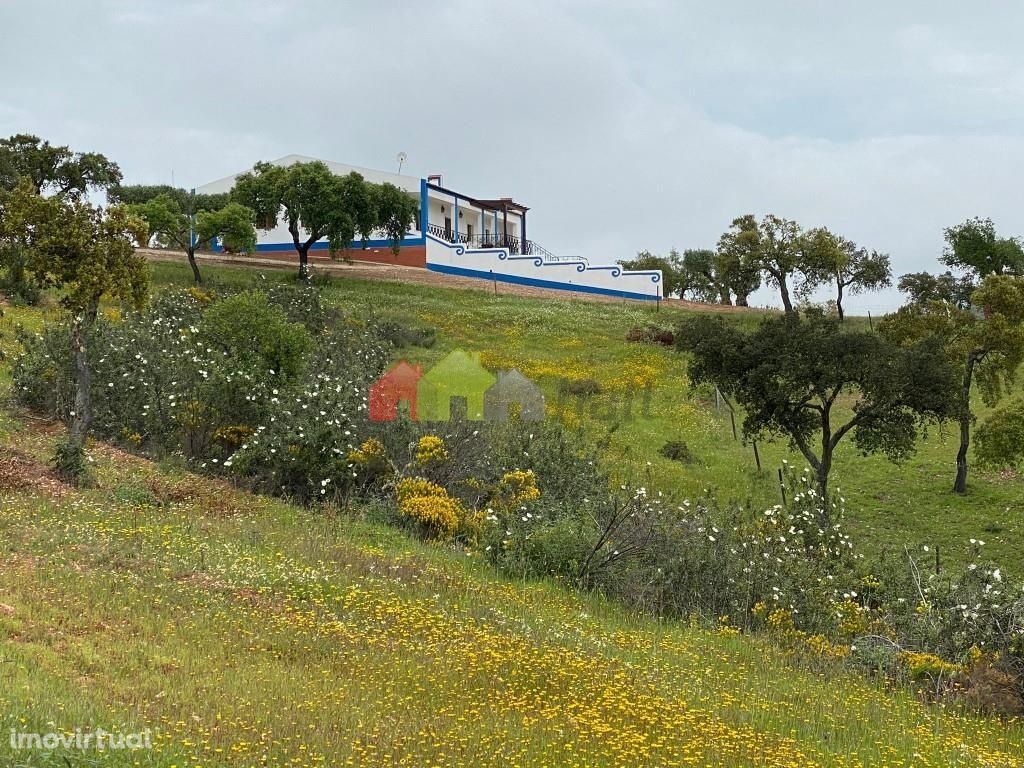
x=774, y=247
x=49, y=170
x=974, y=247
x=53, y=170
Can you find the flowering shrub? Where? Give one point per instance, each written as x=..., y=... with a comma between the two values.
x=229, y=382
x=519, y=487
x=430, y=451
x=370, y=458
x=429, y=505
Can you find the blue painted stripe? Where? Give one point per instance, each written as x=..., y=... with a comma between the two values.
x=517, y=280
x=322, y=245
x=424, y=214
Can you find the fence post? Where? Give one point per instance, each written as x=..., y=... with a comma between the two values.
x=782, y=487
x=757, y=458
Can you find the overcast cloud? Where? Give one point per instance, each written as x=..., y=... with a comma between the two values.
x=624, y=126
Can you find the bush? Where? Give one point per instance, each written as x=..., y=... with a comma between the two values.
x=406, y=336
x=253, y=334
x=70, y=463
x=579, y=387
x=677, y=450
x=15, y=281
x=205, y=376
x=651, y=334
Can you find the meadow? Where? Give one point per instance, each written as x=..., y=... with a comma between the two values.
x=245, y=630
x=888, y=505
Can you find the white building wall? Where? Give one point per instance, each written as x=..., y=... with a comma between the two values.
x=499, y=264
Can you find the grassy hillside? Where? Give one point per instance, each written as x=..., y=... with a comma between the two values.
x=887, y=505
x=244, y=631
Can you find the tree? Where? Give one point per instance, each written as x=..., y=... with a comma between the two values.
x=984, y=340
x=999, y=441
x=740, y=273
x=840, y=262
x=134, y=194
x=53, y=170
x=673, y=283
x=921, y=288
x=174, y=227
x=316, y=204
x=702, y=275
x=775, y=247
x=975, y=247
x=87, y=253
x=790, y=373
x=49, y=170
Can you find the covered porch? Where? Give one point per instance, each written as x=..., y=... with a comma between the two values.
x=477, y=223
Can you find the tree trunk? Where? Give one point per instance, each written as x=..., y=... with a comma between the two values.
x=787, y=304
x=723, y=295
x=960, y=484
x=301, y=246
x=82, y=418
x=741, y=300
x=195, y=267
x=839, y=300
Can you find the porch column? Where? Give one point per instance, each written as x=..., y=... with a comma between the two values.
x=522, y=229
x=455, y=220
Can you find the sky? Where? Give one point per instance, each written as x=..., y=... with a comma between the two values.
x=633, y=126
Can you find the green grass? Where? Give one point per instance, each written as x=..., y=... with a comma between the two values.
x=887, y=505
x=244, y=631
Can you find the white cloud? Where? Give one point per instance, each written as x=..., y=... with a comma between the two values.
x=624, y=126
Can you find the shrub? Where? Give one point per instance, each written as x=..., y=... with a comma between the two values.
x=15, y=281
x=677, y=450
x=580, y=387
x=430, y=451
x=651, y=334
x=253, y=333
x=70, y=463
x=429, y=505
x=408, y=336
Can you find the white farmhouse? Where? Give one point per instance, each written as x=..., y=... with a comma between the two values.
x=457, y=234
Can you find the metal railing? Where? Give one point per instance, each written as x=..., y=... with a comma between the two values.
x=511, y=243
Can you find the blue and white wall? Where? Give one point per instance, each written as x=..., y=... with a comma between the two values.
x=568, y=274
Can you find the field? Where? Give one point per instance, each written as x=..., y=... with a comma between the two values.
x=887, y=505
x=246, y=631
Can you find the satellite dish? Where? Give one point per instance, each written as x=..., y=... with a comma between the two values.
x=401, y=158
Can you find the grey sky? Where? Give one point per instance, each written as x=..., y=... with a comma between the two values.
x=623, y=125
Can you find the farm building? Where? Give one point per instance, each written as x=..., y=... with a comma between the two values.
x=458, y=234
